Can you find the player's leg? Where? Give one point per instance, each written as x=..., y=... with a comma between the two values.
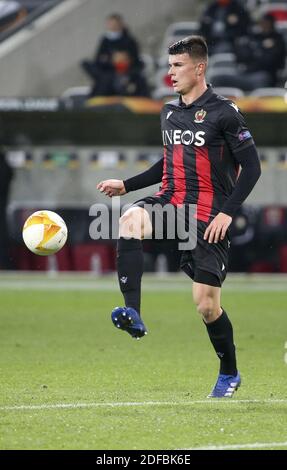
x=219, y=327
x=220, y=331
x=135, y=225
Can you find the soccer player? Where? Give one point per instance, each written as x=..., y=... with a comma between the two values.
x=206, y=141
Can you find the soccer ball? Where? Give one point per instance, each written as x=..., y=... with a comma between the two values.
x=45, y=233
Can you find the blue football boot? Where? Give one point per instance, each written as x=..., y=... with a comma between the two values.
x=128, y=319
x=225, y=386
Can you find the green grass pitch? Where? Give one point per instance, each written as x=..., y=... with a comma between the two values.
x=70, y=380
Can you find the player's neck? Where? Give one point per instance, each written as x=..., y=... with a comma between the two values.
x=194, y=94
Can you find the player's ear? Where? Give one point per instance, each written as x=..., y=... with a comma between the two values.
x=200, y=69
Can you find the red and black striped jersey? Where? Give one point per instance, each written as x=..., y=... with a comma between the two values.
x=200, y=144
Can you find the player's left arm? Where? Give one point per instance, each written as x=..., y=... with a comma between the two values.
x=250, y=173
x=245, y=153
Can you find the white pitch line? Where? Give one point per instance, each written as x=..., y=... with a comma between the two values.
x=255, y=445
x=135, y=404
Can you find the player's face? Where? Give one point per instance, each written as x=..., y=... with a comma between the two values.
x=184, y=72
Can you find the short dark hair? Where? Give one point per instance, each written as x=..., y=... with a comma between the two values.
x=194, y=46
x=115, y=16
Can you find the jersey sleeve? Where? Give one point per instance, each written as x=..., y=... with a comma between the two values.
x=149, y=177
x=234, y=129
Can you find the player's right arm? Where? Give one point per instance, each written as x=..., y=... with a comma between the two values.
x=149, y=177
x=112, y=187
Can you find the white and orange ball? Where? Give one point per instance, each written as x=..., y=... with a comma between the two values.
x=45, y=233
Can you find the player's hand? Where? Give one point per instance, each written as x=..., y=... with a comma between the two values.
x=217, y=229
x=112, y=187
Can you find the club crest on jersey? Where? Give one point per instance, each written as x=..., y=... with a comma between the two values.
x=199, y=116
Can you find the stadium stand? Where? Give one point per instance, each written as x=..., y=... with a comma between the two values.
x=15, y=15
x=277, y=9
x=75, y=96
x=81, y=254
x=269, y=92
x=230, y=92
x=224, y=59
x=11, y=14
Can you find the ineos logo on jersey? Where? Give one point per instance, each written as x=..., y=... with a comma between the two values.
x=187, y=137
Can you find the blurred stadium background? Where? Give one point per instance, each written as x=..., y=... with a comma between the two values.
x=57, y=143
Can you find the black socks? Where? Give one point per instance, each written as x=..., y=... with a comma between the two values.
x=130, y=270
x=221, y=335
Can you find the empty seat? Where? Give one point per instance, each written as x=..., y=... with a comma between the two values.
x=278, y=10
x=11, y=15
x=269, y=92
x=182, y=28
x=148, y=67
x=223, y=59
x=24, y=260
x=106, y=159
x=217, y=76
x=148, y=159
x=76, y=91
x=283, y=259
x=282, y=161
x=96, y=257
x=75, y=96
x=263, y=161
x=177, y=31
x=229, y=92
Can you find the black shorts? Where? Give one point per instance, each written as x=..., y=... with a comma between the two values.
x=204, y=262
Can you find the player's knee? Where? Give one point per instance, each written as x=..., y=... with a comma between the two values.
x=206, y=308
x=130, y=224
x=131, y=216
